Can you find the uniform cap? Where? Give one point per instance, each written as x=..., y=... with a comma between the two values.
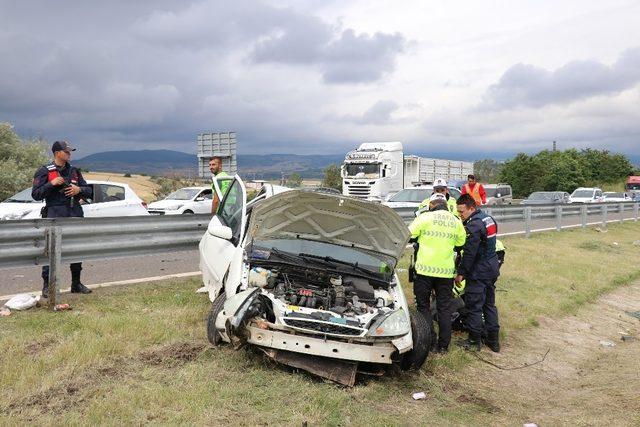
x=439, y=183
x=62, y=146
x=437, y=196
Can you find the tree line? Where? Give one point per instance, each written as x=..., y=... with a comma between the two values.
x=556, y=170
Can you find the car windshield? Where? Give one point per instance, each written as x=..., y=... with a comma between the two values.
x=374, y=262
x=491, y=192
x=616, y=195
x=541, y=196
x=582, y=193
x=22, y=197
x=183, y=194
x=370, y=170
x=415, y=195
x=633, y=186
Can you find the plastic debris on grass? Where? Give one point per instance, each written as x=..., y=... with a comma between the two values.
x=22, y=302
x=607, y=344
x=421, y=395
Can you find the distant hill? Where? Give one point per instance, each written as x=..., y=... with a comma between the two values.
x=165, y=162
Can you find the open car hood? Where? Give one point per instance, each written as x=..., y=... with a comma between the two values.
x=332, y=219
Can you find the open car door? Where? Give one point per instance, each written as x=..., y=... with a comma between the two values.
x=221, y=246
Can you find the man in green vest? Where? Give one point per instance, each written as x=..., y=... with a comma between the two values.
x=438, y=232
x=215, y=166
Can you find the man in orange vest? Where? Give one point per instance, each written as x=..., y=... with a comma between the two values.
x=475, y=189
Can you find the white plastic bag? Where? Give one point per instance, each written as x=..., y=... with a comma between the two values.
x=22, y=302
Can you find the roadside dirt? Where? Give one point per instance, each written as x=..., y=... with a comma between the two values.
x=582, y=381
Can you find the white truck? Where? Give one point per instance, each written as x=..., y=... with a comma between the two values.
x=376, y=170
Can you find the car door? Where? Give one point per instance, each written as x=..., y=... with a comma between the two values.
x=221, y=246
x=108, y=200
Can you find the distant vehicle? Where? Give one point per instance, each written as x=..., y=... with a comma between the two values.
x=633, y=186
x=188, y=200
x=547, y=197
x=109, y=199
x=376, y=170
x=586, y=195
x=498, y=194
x=611, y=196
x=412, y=197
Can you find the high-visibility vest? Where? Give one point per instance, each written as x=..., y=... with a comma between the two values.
x=475, y=192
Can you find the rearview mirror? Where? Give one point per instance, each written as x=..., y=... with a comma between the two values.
x=221, y=231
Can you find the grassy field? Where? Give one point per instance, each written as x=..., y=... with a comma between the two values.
x=139, y=354
x=143, y=186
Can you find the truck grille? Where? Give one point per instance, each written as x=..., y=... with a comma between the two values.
x=328, y=328
x=358, y=190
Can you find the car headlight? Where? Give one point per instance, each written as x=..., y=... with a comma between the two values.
x=173, y=207
x=394, y=324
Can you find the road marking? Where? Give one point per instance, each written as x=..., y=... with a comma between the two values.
x=118, y=283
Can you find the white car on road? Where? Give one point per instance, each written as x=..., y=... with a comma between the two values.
x=611, y=196
x=586, y=195
x=109, y=199
x=412, y=197
x=310, y=279
x=188, y=200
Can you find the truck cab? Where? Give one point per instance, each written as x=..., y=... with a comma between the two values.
x=373, y=171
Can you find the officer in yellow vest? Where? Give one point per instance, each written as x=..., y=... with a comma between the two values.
x=439, y=187
x=437, y=233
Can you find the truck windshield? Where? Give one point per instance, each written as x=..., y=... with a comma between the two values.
x=370, y=170
x=633, y=186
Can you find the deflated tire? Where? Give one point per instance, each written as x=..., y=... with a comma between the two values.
x=216, y=308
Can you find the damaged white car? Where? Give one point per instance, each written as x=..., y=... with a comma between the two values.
x=310, y=279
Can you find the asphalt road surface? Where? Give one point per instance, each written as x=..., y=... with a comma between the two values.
x=17, y=280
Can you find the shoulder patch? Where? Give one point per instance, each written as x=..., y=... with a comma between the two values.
x=490, y=225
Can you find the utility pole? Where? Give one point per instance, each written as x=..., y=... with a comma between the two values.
x=554, y=146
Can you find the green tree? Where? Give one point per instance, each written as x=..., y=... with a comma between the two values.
x=332, y=177
x=19, y=160
x=523, y=173
x=487, y=170
x=294, y=180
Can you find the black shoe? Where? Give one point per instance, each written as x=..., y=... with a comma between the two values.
x=493, y=341
x=473, y=343
x=79, y=288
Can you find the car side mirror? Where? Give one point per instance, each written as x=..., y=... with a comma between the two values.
x=199, y=199
x=221, y=231
x=498, y=195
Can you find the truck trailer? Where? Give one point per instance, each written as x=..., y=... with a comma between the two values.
x=377, y=170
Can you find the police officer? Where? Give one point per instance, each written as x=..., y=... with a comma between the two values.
x=215, y=167
x=480, y=268
x=440, y=187
x=62, y=187
x=437, y=232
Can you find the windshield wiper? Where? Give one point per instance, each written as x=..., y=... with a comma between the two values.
x=329, y=260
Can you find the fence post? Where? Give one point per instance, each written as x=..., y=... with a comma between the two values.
x=583, y=214
x=54, y=246
x=635, y=211
x=621, y=212
x=527, y=221
x=604, y=215
x=558, y=217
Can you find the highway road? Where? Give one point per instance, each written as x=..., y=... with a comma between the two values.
x=26, y=279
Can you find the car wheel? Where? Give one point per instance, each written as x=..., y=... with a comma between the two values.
x=187, y=212
x=216, y=308
x=421, y=332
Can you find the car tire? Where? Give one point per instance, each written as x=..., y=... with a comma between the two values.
x=421, y=333
x=216, y=308
x=187, y=212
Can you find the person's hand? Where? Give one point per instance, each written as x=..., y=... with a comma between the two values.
x=71, y=190
x=57, y=181
x=458, y=279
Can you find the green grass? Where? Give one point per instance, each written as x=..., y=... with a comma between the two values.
x=139, y=354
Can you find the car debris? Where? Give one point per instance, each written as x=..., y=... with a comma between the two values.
x=4, y=311
x=22, y=302
x=421, y=395
x=607, y=344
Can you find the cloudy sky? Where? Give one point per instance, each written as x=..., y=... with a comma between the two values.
x=319, y=76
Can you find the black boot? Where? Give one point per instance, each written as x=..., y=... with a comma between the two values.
x=76, y=286
x=45, y=288
x=473, y=343
x=493, y=341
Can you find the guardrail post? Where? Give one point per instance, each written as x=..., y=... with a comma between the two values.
x=635, y=212
x=583, y=215
x=54, y=246
x=621, y=212
x=527, y=221
x=558, y=218
x=604, y=215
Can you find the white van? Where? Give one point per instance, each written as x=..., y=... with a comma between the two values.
x=498, y=194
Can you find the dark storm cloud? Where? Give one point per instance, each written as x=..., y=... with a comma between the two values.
x=531, y=86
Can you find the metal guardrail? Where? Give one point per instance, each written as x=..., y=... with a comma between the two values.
x=54, y=241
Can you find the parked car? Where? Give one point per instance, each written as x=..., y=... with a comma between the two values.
x=109, y=199
x=586, y=195
x=547, y=197
x=498, y=194
x=309, y=278
x=412, y=197
x=611, y=196
x=188, y=200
